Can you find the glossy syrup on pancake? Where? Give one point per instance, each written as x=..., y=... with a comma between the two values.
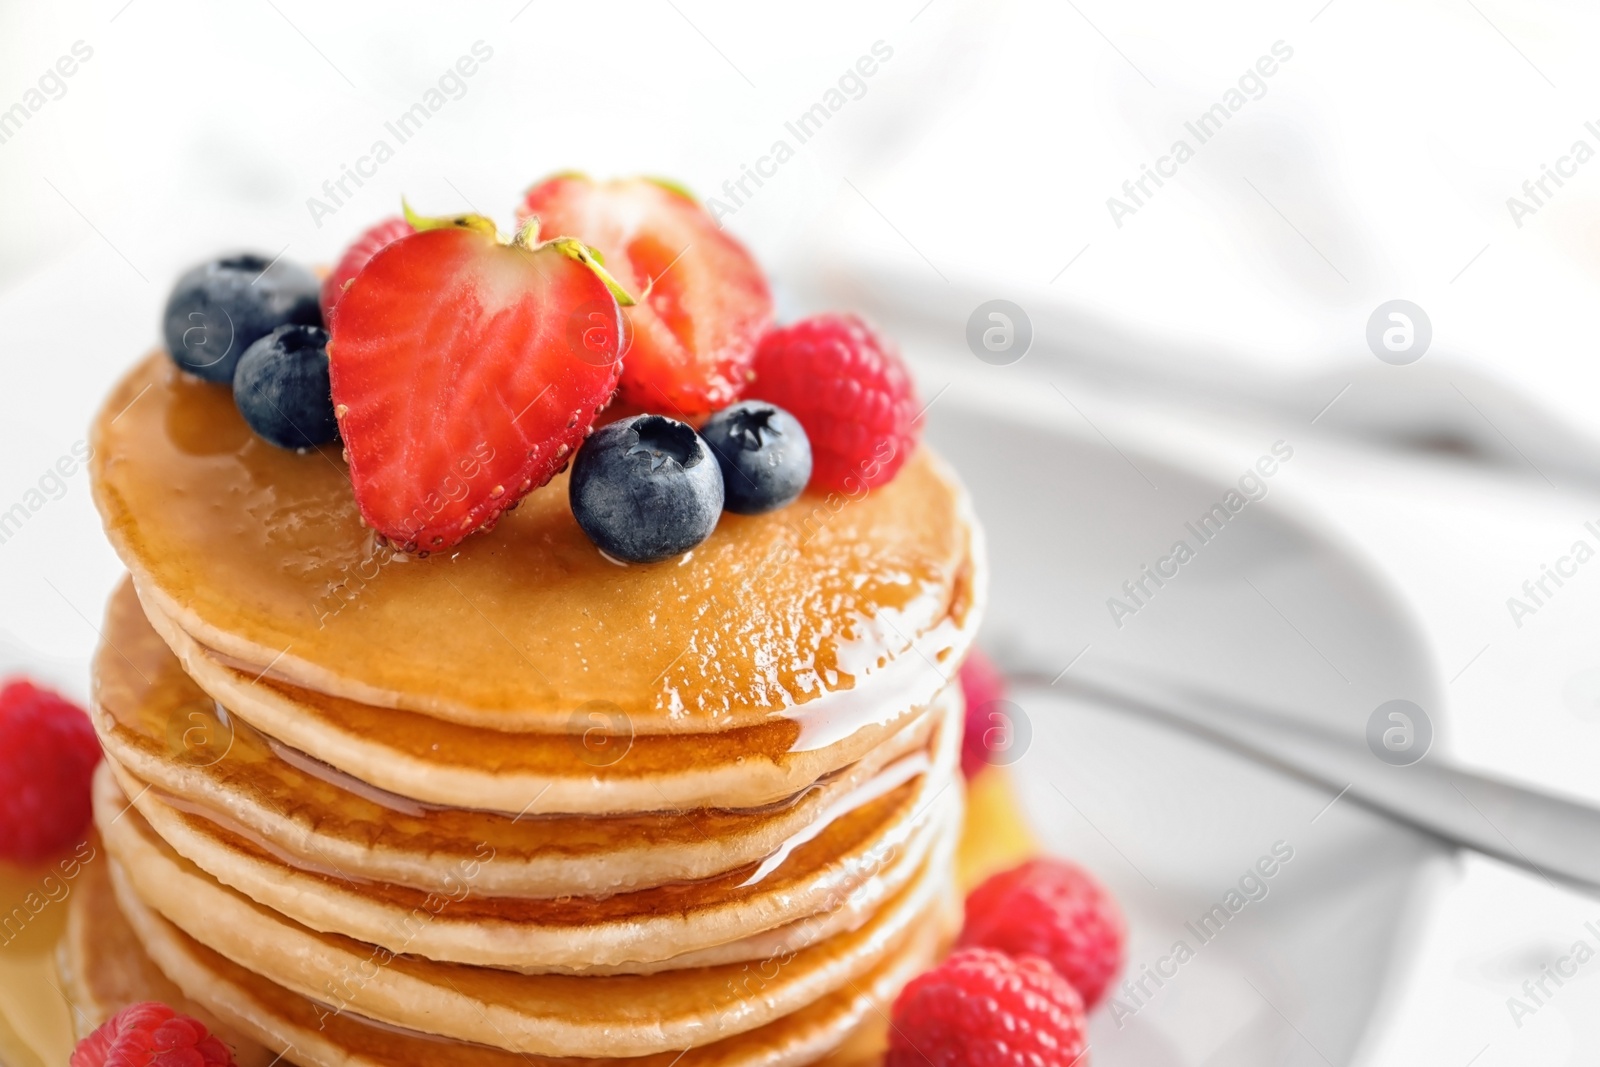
x=784, y=688
x=281, y=1021
x=540, y=1014
x=103, y=969
x=318, y=1035
x=858, y=859
x=241, y=544
x=595, y=770
x=159, y=724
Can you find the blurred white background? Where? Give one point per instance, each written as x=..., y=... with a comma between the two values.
x=1375, y=163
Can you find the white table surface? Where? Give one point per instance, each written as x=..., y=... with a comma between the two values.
x=1392, y=139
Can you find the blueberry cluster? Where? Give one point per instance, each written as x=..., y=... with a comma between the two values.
x=648, y=488
x=256, y=325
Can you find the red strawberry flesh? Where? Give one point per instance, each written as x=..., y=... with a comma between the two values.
x=465, y=373
x=703, y=301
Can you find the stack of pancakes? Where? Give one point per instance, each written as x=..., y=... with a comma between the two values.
x=514, y=802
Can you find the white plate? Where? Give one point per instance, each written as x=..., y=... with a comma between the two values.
x=1270, y=610
x=1170, y=824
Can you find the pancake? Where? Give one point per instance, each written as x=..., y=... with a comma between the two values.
x=366, y=806
x=317, y=1035
x=104, y=969
x=541, y=1015
x=146, y=707
x=832, y=611
x=850, y=865
x=107, y=945
x=600, y=766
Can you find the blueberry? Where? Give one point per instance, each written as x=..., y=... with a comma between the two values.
x=645, y=489
x=220, y=308
x=764, y=454
x=282, y=390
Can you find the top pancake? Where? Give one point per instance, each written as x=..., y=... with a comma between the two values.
x=828, y=608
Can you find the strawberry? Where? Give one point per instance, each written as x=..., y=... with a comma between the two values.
x=465, y=369
x=372, y=240
x=703, y=301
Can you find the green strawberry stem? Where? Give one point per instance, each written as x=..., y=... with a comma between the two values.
x=571, y=246
x=479, y=223
x=526, y=239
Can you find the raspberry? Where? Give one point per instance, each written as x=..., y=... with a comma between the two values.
x=151, y=1035
x=851, y=392
x=48, y=752
x=981, y=1008
x=1056, y=911
x=982, y=684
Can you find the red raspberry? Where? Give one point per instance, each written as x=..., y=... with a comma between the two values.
x=981, y=1008
x=48, y=752
x=373, y=239
x=982, y=684
x=151, y=1035
x=851, y=392
x=1054, y=910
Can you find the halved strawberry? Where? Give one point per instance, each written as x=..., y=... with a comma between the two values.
x=372, y=240
x=703, y=301
x=465, y=371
